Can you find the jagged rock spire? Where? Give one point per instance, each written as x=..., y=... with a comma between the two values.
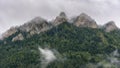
x=83, y=20
x=110, y=26
x=60, y=19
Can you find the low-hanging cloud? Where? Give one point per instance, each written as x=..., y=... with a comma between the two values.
x=17, y=12
x=111, y=61
x=49, y=55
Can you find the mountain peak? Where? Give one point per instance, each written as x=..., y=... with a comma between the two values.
x=33, y=24
x=111, y=23
x=60, y=19
x=84, y=20
x=62, y=14
x=110, y=26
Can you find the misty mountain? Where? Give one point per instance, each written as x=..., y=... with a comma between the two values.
x=38, y=25
x=61, y=44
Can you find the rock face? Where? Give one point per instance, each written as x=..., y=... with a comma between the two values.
x=18, y=37
x=110, y=26
x=60, y=19
x=35, y=26
x=9, y=32
x=84, y=20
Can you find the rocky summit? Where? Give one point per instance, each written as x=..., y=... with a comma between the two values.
x=60, y=19
x=35, y=26
x=110, y=26
x=83, y=20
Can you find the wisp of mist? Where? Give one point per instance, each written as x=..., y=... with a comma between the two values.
x=48, y=56
x=111, y=61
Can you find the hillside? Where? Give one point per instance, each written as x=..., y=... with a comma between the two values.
x=79, y=47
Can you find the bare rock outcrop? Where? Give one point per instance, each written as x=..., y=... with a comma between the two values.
x=110, y=26
x=35, y=26
x=9, y=32
x=18, y=37
x=83, y=20
x=60, y=19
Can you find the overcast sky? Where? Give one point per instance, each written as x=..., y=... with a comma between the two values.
x=17, y=12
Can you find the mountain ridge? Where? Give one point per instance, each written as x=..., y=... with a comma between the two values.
x=38, y=25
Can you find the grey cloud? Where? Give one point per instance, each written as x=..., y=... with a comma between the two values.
x=17, y=12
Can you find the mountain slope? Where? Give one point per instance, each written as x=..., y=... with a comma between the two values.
x=79, y=45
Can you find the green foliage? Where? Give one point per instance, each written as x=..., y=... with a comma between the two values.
x=79, y=46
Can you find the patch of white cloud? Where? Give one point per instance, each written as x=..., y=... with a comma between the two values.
x=47, y=56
